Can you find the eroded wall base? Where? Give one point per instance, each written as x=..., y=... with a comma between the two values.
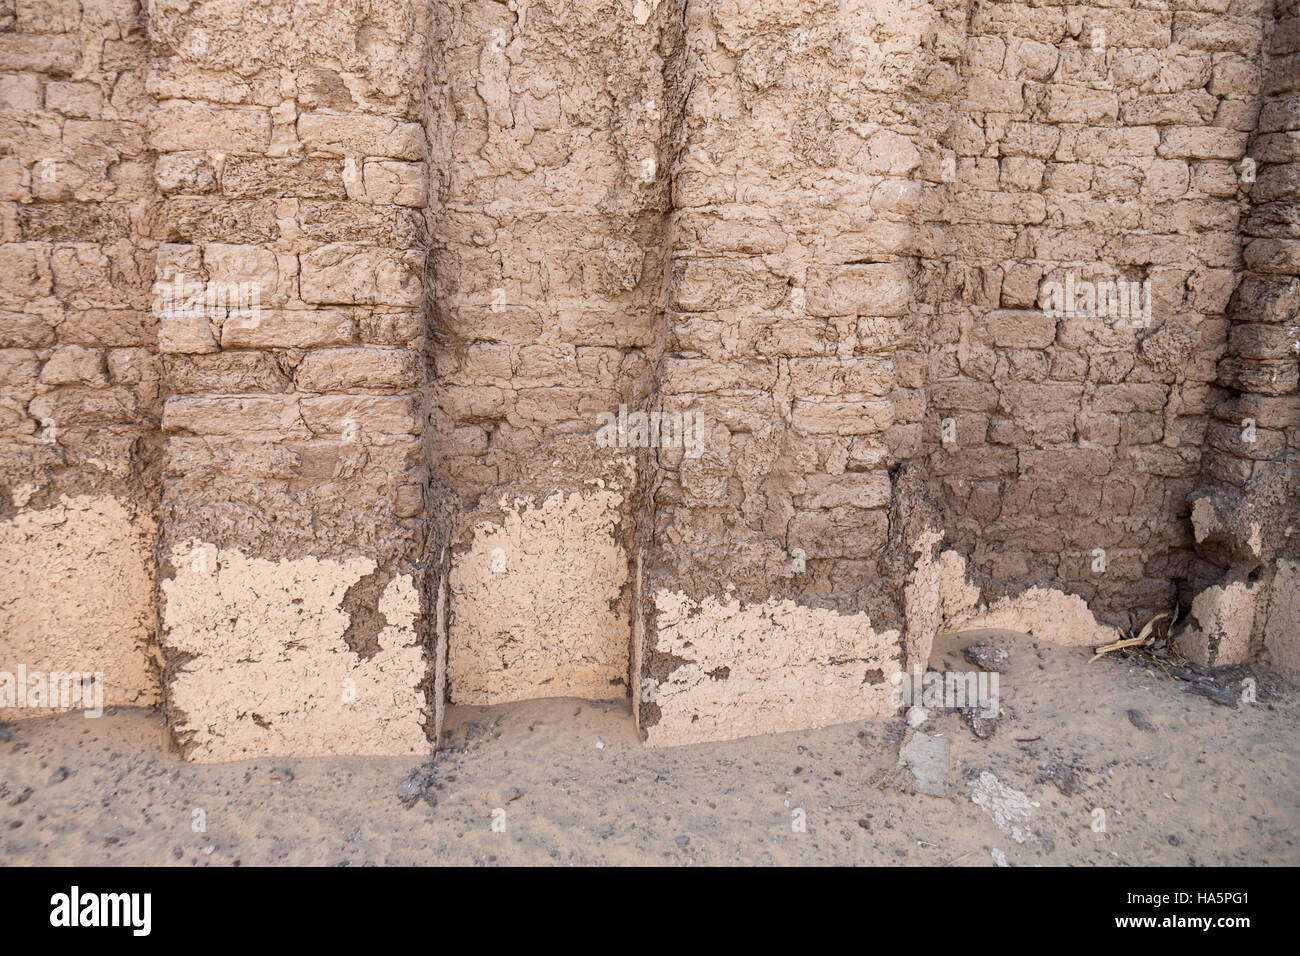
x=763, y=668
x=537, y=605
x=942, y=597
x=1046, y=613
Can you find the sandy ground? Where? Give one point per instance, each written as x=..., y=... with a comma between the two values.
x=1208, y=784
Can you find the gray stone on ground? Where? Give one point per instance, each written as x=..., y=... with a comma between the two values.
x=987, y=657
x=923, y=761
x=1063, y=776
x=418, y=785
x=1139, y=720
x=1223, y=696
x=981, y=726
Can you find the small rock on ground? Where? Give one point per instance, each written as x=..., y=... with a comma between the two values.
x=925, y=760
x=418, y=785
x=1139, y=720
x=987, y=657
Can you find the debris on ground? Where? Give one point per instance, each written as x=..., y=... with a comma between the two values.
x=922, y=766
x=1155, y=649
x=916, y=716
x=1066, y=780
x=1223, y=696
x=987, y=657
x=1139, y=720
x=977, y=719
x=1008, y=807
x=1146, y=639
x=419, y=784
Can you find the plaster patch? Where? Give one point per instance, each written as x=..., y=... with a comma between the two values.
x=937, y=591
x=1220, y=624
x=1282, y=628
x=1046, y=613
x=268, y=669
x=956, y=593
x=534, y=602
x=440, y=659
x=766, y=668
x=76, y=594
x=1204, y=519
x=923, y=598
x=1211, y=521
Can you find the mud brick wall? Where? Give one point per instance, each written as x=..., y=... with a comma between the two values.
x=547, y=276
x=297, y=601
x=1243, y=584
x=79, y=380
x=791, y=271
x=1097, y=142
x=313, y=318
